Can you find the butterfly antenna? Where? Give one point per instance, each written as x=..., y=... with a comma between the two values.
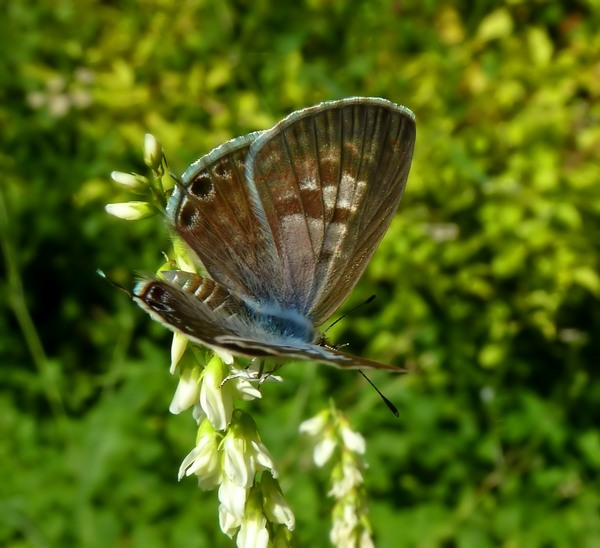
x=389, y=404
x=176, y=180
x=369, y=300
x=102, y=274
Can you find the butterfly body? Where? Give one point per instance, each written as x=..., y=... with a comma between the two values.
x=284, y=222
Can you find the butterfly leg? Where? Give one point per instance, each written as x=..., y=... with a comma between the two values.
x=251, y=372
x=254, y=371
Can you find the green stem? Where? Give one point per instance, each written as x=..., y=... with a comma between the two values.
x=17, y=302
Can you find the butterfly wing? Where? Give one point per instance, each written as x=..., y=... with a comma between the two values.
x=292, y=215
x=210, y=315
x=212, y=210
x=286, y=220
x=192, y=305
x=305, y=352
x=327, y=181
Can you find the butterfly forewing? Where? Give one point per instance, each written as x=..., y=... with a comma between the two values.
x=328, y=180
x=213, y=213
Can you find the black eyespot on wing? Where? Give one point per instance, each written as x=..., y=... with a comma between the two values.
x=223, y=170
x=157, y=297
x=187, y=215
x=201, y=186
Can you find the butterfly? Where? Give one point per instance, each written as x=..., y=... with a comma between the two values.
x=284, y=222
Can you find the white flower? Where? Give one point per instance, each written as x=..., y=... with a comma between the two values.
x=226, y=356
x=244, y=390
x=198, y=413
x=237, y=464
x=244, y=452
x=215, y=401
x=131, y=211
x=348, y=528
x=319, y=428
x=314, y=427
x=275, y=506
x=228, y=522
x=353, y=440
x=345, y=523
x=187, y=390
x=346, y=477
x=233, y=497
x=178, y=347
x=204, y=460
x=330, y=429
x=262, y=458
x=253, y=532
x=365, y=540
x=218, y=390
x=253, y=529
x=323, y=450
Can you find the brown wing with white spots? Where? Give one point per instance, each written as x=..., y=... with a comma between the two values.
x=328, y=180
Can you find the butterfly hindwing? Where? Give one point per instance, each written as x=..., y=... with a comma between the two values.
x=208, y=314
x=192, y=305
x=305, y=352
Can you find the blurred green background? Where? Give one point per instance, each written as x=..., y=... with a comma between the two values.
x=487, y=281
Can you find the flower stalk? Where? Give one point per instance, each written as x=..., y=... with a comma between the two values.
x=229, y=454
x=334, y=441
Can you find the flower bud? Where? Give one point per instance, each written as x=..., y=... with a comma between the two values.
x=131, y=211
x=153, y=152
x=130, y=181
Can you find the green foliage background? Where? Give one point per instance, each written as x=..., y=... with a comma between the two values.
x=487, y=281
